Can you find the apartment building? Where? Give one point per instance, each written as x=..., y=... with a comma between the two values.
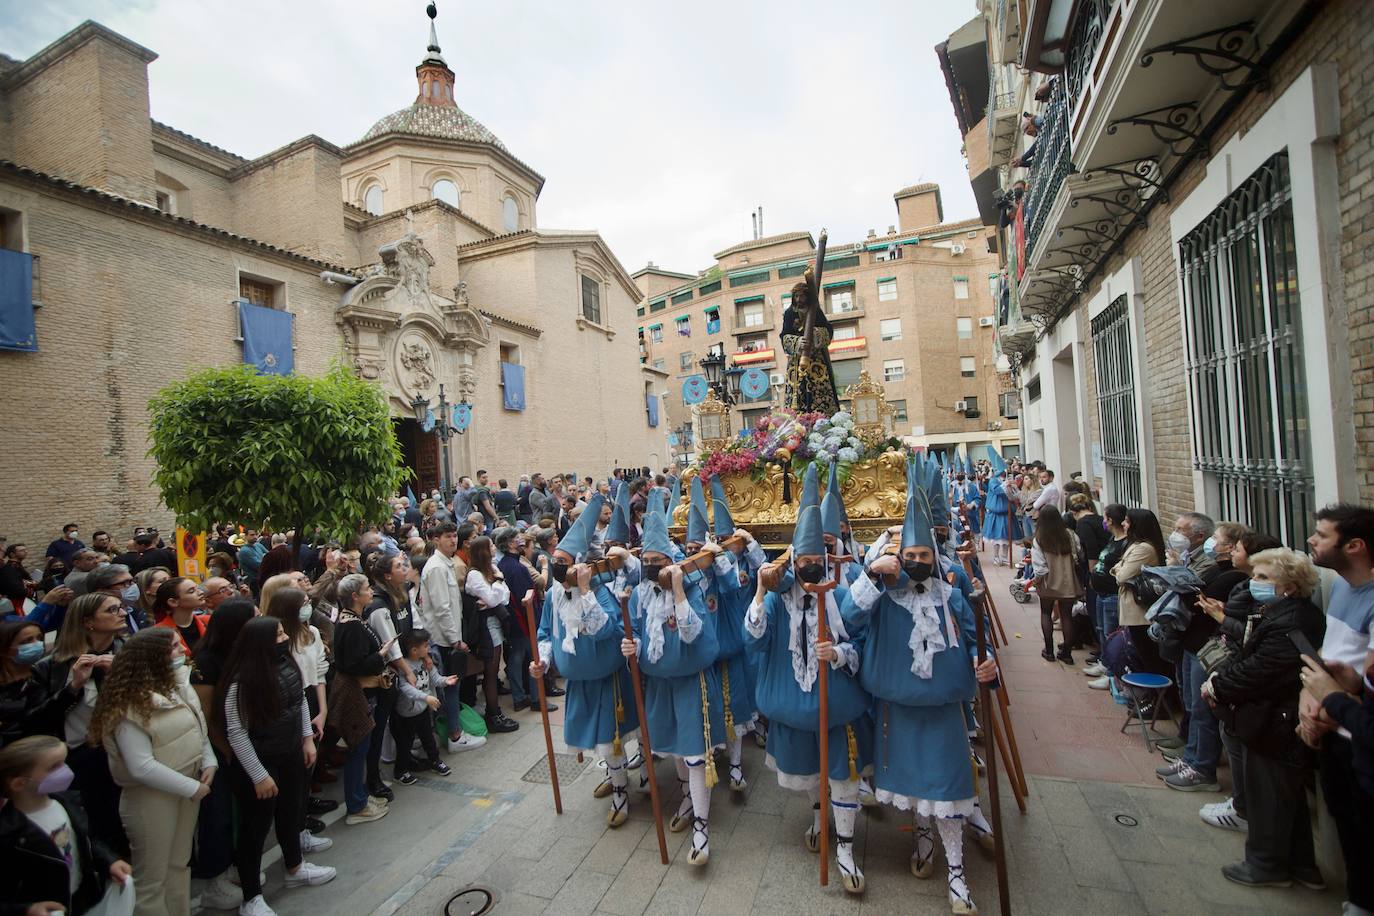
x=1186, y=234
x=912, y=307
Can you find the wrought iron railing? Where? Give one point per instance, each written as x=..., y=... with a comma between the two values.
x=1051, y=165
x=1088, y=23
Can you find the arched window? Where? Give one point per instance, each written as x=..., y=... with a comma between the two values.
x=511, y=212
x=372, y=200
x=444, y=190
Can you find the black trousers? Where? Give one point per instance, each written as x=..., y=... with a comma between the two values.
x=404, y=730
x=256, y=816
x=381, y=715
x=1279, y=839
x=1352, y=808
x=99, y=795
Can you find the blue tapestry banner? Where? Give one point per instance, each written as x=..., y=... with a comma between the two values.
x=17, y=329
x=513, y=382
x=651, y=401
x=267, y=338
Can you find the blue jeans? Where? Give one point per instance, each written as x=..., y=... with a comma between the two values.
x=1108, y=615
x=1204, y=732
x=355, y=772
x=517, y=651
x=451, y=661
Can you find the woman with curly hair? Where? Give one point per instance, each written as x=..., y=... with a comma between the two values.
x=151, y=725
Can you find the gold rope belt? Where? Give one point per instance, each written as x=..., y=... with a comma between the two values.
x=725, y=691
x=706, y=730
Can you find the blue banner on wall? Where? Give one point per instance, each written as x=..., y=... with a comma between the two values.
x=694, y=389
x=651, y=401
x=267, y=338
x=17, y=329
x=513, y=381
x=462, y=417
x=754, y=383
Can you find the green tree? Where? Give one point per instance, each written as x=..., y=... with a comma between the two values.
x=231, y=444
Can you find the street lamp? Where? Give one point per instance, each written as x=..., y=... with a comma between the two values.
x=713, y=364
x=443, y=428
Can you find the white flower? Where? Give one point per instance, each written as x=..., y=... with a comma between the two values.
x=848, y=455
x=823, y=457
x=854, y=442
x=841, y=418
x=821, y=425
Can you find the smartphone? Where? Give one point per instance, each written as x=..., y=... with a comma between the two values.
x=1305, y=648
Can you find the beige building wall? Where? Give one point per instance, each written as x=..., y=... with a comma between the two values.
x=290, y=197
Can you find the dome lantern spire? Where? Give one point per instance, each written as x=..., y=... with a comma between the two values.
x=433, y=75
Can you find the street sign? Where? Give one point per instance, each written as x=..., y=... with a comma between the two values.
x=753, y=383
x=462, y=417
x=694, y=389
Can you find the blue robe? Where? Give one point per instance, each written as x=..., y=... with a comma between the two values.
x=683, y=677
x=922, y=750
x=733, y=599
x=599, y=690
x=995, y=524
x=793, y=706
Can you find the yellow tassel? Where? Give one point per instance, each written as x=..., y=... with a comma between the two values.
x=711, y=778
x=725, y=690
x=853, y=753
x=617, y=747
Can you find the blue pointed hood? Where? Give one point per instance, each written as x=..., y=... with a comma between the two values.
x=619, y=528
x=655, y=535
x=696, y=514
x=806, y=538
x=916, y=527
x=579, y=536
x=721, y=522
x=998, y=465
x=937, y=500
x=832, y=504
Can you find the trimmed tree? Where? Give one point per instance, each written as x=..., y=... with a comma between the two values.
x=231, y=444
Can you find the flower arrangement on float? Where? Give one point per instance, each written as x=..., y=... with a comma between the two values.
x=796, y=440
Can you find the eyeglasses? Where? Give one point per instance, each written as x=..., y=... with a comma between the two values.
x=121, y=584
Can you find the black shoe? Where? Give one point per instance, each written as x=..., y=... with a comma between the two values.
x=380, y=790
x=314, y=824
x=553, y=707
x=503, y=689
x=406, y=778
x=521, y=705
x=1047, y=655
x=554, y=691
x=320, y=805
x=1065, y=655
x=438, y=766
x=1244, y=873
x=499, y=723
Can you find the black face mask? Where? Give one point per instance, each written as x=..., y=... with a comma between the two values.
x=810, y=573
x=941, y=538
x=917, y=571
x=560, y=571
x=282, y=649
x=651, y=572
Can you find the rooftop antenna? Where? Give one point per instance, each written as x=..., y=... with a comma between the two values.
x=754, y=223
x=760, y=220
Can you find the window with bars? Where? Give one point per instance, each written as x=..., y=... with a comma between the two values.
x=1246, y=383
x=1116, y=415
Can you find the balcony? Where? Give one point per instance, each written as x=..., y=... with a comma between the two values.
x=849, y=348
x=759, y=325
x=855, y=311
x=763, y=358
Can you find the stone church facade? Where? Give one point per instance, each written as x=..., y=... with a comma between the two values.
x=413, y=256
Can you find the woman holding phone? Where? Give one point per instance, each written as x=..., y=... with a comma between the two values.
x=361, y=673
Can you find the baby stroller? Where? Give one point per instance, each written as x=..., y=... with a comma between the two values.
x=1023, y=586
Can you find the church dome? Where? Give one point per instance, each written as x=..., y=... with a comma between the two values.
x=447, y=122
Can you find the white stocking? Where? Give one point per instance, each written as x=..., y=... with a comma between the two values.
x=815, y=796
x=952, y=836
x=736, y=746
x=619, y=777
x=683, y=780
x=925, y=838
x=844, y=805
x=700, y=794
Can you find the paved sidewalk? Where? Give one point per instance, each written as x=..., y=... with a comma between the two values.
x=1101, y=834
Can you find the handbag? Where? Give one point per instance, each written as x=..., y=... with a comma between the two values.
x=1215, y=653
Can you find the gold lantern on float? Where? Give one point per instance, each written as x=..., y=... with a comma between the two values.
x=713, y=422
x=868, y=405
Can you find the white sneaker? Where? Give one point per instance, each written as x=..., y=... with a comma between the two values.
x=221, y=894
x=1224, y=816
x=310, y=875
x=466, y=742
x=1096, y=669
x=255, y=907
x=367, y=815
x=1101, y=683
x=311, y=843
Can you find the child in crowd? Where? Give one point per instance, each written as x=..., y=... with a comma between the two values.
x=54, y=864
x=415, y=708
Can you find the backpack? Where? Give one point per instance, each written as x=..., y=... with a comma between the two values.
x=1119, y=655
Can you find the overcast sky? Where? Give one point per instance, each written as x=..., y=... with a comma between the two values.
x=660, y=124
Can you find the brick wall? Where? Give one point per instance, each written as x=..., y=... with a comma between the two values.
x=292, y=201
x=130, y=304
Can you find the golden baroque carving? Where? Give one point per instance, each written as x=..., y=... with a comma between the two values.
x=874, y=498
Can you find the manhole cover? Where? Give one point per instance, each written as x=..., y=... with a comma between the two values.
x=470, y=901
x=1125, y=820
x=568, y=769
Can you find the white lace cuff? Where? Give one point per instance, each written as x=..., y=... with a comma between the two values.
x=755, y=620
x=864, y=593
x=848, y=657
x=545, y=652
x=688, y=623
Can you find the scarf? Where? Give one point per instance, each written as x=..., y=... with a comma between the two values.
x=802, y=616
x=926, y=638
x=657, y=605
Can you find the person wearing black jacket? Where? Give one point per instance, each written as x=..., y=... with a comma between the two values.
x=1092, y=536
x=1103, y=585
x=359, y=662
x=1256, y=698
x=36, y=868
x=21, y=700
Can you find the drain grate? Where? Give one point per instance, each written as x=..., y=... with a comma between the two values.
x=568, y=770
x=470, y=901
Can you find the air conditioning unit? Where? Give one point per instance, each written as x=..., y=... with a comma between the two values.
x=960, y=406
x=957, y=248
x=775, y=378
x=985, y=321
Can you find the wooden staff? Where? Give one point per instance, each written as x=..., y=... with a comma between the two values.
x=994, y=791
x=704, y=558
x=644, y=746
x=528, y=601
x=819, y=591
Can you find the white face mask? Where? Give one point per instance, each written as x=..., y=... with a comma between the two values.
x=305, y=612
x=1178, y=542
